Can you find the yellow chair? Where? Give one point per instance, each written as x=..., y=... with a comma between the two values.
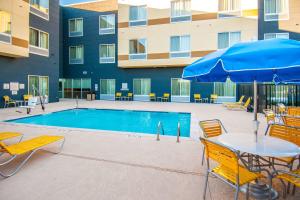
x=291, y=121
x=213, y=98
x=118, y=96
x=240, y=107
x=292, y=177
x=228, y=169
x=270, y=116
x=26, y=97
x=166, y=97
x=8, y=101
x=211, y=128
x=28, y=147
x=129, y=96
x=293, y=111
x=197, y=97
x=152, y=97
x=240, y=102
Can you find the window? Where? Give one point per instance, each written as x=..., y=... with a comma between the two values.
x=38, y=85
x=107, y=53
x=75, y=27
x=39, y=42
x=227, y=89
x=137, y=49
x=107, y=86
x=5, y=26
x=180, y=87
x=276, y=35
x=40, y=8
x=137, y=15
x=142, y=86
x=228, y=39
x=180, y=46
x=107, y=24
x=276, y=10
x=76, y=55
x=75, y=88
x=180, y=10
x=229, y=8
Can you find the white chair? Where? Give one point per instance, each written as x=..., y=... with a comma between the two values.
x=32, y=101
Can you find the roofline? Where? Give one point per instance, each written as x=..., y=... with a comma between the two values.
x=89, y=1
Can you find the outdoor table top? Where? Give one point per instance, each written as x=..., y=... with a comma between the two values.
x=265, y=146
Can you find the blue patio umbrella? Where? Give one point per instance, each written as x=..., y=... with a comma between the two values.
x=274, y=60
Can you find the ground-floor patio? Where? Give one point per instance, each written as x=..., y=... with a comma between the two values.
x=111, y=165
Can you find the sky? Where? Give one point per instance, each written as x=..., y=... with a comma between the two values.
x=63, y=2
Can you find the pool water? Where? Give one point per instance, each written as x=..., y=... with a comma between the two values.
x=115, y=120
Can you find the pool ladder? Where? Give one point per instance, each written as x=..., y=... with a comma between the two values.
x=160, y=128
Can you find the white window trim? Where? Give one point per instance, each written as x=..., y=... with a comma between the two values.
x=137, y=54
x=82, y=55
x=107, y=79
x=75, y=22
x=39, y=43
x=107, y=28
x=140, y=95
x=276, y=34
x=279, y=14
x=41, y=11
x=107, y=57
x=180, y=36
x=179, y=89
x=139, y=20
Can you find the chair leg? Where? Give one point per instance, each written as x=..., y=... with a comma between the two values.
x=247, y=191
x=203, y=156
x=236, y=196
x=205, y=185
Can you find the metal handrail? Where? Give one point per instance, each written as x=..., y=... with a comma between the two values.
x=76, y=102
x=159, y=127
x=178, y=132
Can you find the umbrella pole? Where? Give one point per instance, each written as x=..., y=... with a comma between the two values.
x=256, y=123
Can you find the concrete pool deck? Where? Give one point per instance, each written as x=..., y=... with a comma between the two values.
x=110, y=165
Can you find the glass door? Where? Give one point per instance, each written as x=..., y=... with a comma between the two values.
x=44, y=85
x=33, y=85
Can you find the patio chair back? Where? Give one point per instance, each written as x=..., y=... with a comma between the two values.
x=26, y=97
x=6, y=99
x=214, y=96
x=32, y=101
x=288, y=133
x=152, y=94
x=291, y=121
x=197, y=96
x=293, y=111
x=118, y=94
x=221, y=154
x=166, y=95
x=129, y=94
x=211, y=128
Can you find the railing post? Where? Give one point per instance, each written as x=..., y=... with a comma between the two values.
x=178, y=132
x=76, y=101
x=157, y=134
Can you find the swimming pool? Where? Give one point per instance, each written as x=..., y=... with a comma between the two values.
x=114, y=120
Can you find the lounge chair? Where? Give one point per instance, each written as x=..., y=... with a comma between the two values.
x=291, y=120
x=165, y=97
x=118, y=96
x=240, y=102
x=213, y=98
x=31, y=104
x=240, y=107
x=228, y=169
x=26, y=147
x=8, y=101
x=152, y=97
x=197, y=97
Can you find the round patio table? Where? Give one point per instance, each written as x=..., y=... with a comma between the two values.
x=265, y=146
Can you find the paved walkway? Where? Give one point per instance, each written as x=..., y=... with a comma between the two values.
x=113, y=166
